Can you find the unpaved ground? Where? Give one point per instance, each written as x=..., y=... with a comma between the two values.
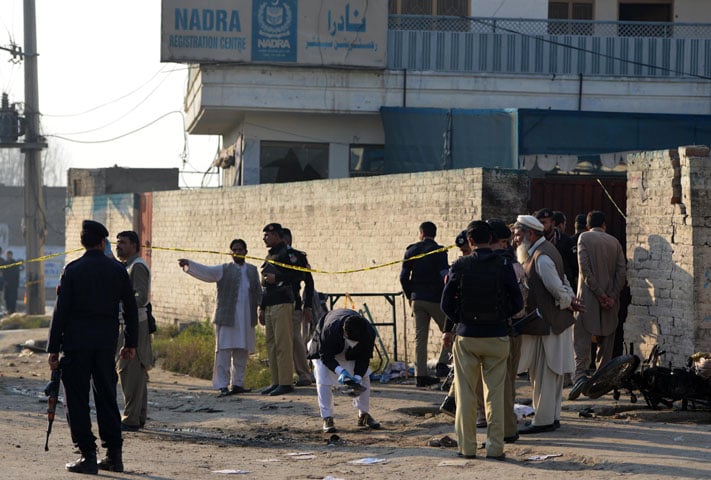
x=191, y=434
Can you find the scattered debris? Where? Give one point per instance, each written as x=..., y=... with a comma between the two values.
x=368, y=461
x=443, y=442
x=231, y=472
x=535, y=458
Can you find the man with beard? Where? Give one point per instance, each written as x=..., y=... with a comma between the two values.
x=546, y=343
x=133, y=374
x=238, y=296
x=561, y=242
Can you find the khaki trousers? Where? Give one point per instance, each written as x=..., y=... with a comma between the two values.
x=134, y=384
x=510, y=419
x=581, y=344
x=280, y=340
x=301, y=364
x=424, y=311
x=472, y=355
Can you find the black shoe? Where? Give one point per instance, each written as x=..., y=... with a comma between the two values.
x=281, y=390
x=303, y=382
x=129, y=428
x=237, y=389
x=269, y=389
x=500, y=458
x=113, y=461
x=460, y=454
x=366, y=420
x=579, y=387
x=426, y=381
x=556, y=424
x=511, y=439
x=328, y=425
x=529, y=429
x=223, y=392
x=85, y=464
x=442, y=370
x=449, y=406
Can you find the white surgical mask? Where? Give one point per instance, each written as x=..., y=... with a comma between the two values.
x=351, y=343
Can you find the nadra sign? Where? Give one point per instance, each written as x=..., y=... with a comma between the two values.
x=298, y=32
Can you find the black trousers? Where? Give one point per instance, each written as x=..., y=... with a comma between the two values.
x=83, y=370
x=10, y=298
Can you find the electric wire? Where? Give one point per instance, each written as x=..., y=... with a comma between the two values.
x=107, y=140
x=116, y=120
x=109, y=102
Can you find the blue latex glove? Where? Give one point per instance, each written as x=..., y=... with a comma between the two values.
x=345, y=377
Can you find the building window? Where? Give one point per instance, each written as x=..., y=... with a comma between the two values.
x=452, y=8
x=281, y=162
x=570, y=10
x=366, y=160
x=645, y=11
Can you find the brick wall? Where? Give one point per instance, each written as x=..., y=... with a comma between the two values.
x=668, y=245
x=342, y=224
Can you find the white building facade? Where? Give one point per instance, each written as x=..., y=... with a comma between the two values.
x=307, y=102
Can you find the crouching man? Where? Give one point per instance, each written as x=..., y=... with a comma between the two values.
x=341, y=348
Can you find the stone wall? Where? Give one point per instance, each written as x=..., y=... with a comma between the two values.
x=343, y=224
x=669, y=250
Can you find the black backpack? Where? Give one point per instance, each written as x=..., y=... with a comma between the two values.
x=482, y=296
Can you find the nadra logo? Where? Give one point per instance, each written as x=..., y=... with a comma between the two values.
x=274, y=19
x=207, y=20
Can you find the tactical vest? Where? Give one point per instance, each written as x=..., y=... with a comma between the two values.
x=482, y=295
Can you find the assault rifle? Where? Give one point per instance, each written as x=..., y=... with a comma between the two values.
x=518, y=324
x=52, y=392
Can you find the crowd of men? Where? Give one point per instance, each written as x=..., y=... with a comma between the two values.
x=483, y=304
x=525, y=298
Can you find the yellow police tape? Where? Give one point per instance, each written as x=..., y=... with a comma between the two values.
x=273, y=262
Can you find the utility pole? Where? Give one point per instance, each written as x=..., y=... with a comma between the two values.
x=34, y=219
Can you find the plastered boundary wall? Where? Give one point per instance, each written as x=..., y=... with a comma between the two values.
x=669, y=251
x=341, y=223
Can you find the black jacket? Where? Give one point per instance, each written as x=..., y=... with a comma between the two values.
x=328, y=341
x=86, y=314
x=282, y=291
x=451, y=301
x=298, y=258
x=423, y=279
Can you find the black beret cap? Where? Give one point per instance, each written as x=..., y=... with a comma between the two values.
x=94, y=227
x=500, y=229
x=461, y=239
x=273, y=227
x=544, y=213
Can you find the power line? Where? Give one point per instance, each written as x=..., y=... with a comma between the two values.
x=119, y=136
x=116, y=120
x=109, y=102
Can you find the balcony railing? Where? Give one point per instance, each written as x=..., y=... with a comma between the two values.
x=500, y=45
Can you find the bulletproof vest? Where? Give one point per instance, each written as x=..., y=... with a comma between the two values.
x=481, y=290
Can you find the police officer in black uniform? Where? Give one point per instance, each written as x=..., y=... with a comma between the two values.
x=85, y=328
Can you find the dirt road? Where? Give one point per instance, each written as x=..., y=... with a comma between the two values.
x=192, y=434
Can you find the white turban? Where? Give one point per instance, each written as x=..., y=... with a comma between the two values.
x=530, y=221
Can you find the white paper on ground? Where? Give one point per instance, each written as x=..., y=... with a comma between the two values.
x=544, y=457
x=368, y=461
x=231, y=472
